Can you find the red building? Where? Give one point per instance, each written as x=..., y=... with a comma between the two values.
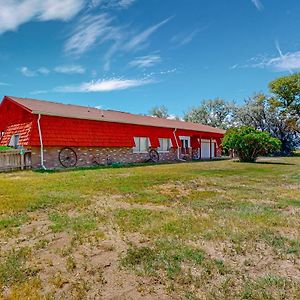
x=68, y=135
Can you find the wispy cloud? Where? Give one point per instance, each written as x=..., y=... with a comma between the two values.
x=70, y=69
x=145, y=61
x=32, y=73
x=280, y=53
x=184, y=39
x=4, y=84
x=257, y=4
x=233, y=67
x=63, y=69
x=287, y=62
x=91, y=30
x=103, y=85
x=14, y=13
x=119, y=4
x=139, y=39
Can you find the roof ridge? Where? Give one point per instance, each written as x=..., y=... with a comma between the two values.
x=59, y=109
x=53, y=102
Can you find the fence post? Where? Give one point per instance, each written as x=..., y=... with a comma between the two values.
x=22, y=159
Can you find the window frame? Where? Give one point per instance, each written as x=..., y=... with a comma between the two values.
x=14, y=141
x=137, y=148
x=169, y=145
x=183, y=140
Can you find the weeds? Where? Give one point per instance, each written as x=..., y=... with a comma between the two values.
x=13, y=269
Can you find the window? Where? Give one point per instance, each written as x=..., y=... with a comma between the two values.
x=142, y=144
x=164, y=145
x=14, y=141
x=185, y=144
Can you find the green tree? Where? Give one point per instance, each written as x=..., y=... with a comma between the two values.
x=287, y=91
x=264, y=113
x=159, y=112
x=250, y=143
x=216, y=113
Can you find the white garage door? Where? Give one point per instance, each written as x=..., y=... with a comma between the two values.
x=205, y=149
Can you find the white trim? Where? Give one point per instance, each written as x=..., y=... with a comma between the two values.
x=139, y=152
x=41, y=142
x=178, y=148
x=186, y=138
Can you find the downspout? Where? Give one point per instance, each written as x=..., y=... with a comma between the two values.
x=175, y=137
x=41, y=142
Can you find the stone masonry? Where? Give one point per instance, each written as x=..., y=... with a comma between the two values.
x=89, y=156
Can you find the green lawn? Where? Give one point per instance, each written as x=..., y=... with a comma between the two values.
x=4, y=148
x=205, y=230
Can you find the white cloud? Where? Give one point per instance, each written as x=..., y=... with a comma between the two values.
x=94, y=30
x=31, y=73
x=14, y=13
x=233, y=67
x=27, y=72
x=289, y=62
x=103, y=85
x=184, y=39
x=143, y=36
x=89, y=31
x=258, y=4
x=43, y=71
x=285, y=62
x=145, y=61
x=70, y=69
x=39, y=92
x=123, y=4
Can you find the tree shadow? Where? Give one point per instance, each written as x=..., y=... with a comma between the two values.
x=274, y=163
x=265, y=163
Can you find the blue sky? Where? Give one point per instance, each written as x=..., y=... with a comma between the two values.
x=131, y=55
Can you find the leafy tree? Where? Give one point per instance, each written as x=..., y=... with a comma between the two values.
x=264, y=114
x=159, y=112
x=250, y=143
x=287, y=91
x=216, y=113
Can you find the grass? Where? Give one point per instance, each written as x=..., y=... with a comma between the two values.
x=80, y=224
x=14, y=221
x=13, y=269
x=2, y=148
x=199, y=230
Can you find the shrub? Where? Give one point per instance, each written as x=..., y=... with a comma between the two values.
x=250, y=143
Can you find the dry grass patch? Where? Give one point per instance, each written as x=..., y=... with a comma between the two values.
x=205, y=230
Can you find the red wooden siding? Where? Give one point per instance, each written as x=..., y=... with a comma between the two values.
x=23, y=130
x=11, y=113
x=62, y=131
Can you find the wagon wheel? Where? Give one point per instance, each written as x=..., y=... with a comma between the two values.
x=154, y=156
x=67, y=157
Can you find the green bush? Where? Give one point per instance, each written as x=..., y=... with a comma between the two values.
x=250, y=143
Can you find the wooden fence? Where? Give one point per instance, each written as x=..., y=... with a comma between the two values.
x=15, y=160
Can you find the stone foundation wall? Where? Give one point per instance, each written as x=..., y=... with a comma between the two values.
x=86, y=156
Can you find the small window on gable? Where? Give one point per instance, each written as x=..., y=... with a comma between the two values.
x=164, y=145
x=14, y=140
x=142, y=144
